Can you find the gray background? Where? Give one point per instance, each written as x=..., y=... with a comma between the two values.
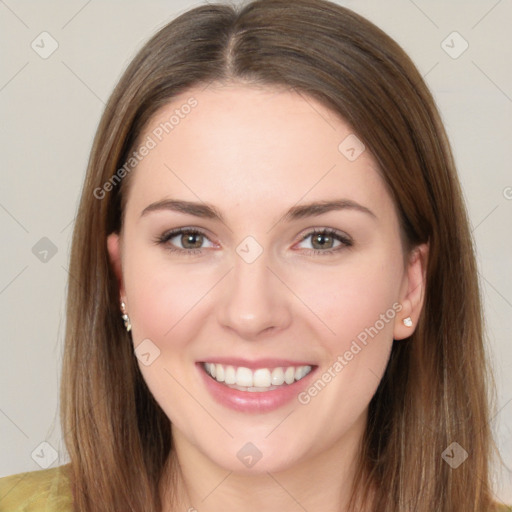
x=50, y=108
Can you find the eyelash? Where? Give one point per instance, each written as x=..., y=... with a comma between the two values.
x=346, y=242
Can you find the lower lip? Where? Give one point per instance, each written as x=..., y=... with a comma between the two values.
x=257, y=401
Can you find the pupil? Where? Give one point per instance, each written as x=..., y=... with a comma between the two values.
x=321, y=238
x=190, y=239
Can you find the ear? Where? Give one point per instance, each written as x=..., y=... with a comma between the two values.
x=114, y=251
x=412, y=291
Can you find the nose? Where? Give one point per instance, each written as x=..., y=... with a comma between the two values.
x=254, y=299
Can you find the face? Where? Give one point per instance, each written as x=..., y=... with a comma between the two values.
x=228, y=268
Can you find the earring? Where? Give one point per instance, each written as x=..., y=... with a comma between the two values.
x=407, y=321
x=125, y=317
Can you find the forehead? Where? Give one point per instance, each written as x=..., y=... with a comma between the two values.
x=238, y=144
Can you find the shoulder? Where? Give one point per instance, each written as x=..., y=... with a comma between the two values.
x=37, y=491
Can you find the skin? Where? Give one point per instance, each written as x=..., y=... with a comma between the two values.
x=253, y=153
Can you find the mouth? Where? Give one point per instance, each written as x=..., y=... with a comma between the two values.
x=255, y=380
x=256, y=387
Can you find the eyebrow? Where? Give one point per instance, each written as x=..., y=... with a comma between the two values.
x=208, y=211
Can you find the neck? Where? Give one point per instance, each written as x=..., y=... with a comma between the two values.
x=321, y=482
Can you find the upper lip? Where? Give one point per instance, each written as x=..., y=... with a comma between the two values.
x=256, y=363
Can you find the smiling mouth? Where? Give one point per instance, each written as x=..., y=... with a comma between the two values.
x=257, y=380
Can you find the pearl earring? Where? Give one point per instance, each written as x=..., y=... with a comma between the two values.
x=407, y=321
x=125, y=317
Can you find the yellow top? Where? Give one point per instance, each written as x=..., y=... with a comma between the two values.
x=37, y=491
x=49, y=491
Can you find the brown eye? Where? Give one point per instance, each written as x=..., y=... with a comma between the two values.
x=191, y=240
x=322, y=241
x=183, y=240
x=326, y=241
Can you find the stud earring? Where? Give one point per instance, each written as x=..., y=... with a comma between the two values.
x=125, y=317
x=407, y=321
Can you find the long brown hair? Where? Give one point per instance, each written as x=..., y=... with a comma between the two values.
x=434, y=391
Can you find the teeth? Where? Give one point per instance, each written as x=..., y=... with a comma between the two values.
x=243, y=377
x=277, y=376
x=289, y=375
x=230, y=377
x=299, y=373
x=262, y=379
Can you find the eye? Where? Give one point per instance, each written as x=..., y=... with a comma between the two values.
x=190, y=239
x=327, y=241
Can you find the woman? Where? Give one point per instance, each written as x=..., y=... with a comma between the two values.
x=274, y=303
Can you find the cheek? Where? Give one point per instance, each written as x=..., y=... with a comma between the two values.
x=357, y=304
x=353, y=297
x=161, y=293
